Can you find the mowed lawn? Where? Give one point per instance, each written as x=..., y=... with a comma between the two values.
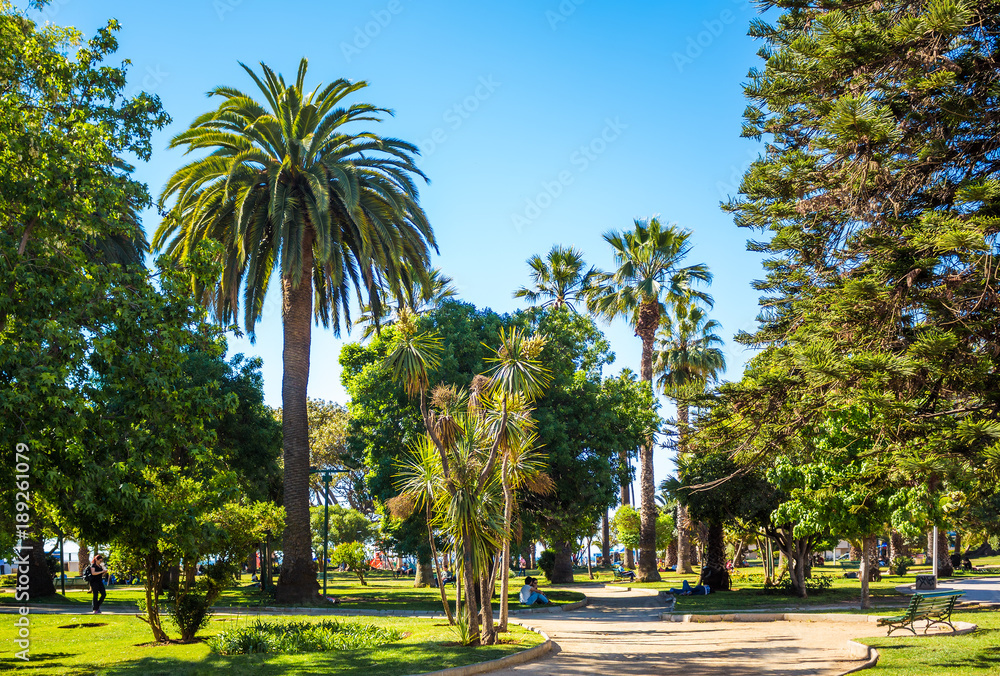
x=972, y=654
x=72, y=645
x=381, y=593
x=748, y=592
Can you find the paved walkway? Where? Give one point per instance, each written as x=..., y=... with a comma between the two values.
x=620, y=634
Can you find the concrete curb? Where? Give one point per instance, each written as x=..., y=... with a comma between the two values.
x=502, y=662
x=550, y=609
x=862, y=652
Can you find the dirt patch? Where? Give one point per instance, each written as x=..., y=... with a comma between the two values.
x=84, y=624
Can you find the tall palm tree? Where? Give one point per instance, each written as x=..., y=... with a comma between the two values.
x=559, y=278
x=648, y=279
x=688, y=357
x=290, y=185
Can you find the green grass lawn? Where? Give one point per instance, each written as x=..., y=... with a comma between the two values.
x=121, y=645
x=748, y=592
x=972, y=654
x=381, y=593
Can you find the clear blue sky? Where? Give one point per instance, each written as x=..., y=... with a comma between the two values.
x=541, y=123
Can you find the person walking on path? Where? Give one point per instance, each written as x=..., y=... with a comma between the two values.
x=97, y=570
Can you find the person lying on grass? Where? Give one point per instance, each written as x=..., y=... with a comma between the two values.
x=530, y=594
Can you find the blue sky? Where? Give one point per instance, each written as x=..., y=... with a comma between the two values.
x=540, y=123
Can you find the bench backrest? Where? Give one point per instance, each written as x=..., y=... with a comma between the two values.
x=934, y=602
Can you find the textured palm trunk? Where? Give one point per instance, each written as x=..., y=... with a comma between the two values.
x=649, y=320
x=297, y=582
x=508, y=515
x=683, y=521
x=562, y=569
x=82, y=558
x=39, y=579
x=945, y=569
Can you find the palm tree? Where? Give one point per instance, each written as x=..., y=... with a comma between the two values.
x=419, y=293
x=687, y=358
x=649, y=277
x=559, y=279
x=288, y=187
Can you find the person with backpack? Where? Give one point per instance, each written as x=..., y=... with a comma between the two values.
x=94, y=574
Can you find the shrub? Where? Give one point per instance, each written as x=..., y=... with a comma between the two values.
x=352, y=555
x=815, y=584
x=8, y=580
x=546, y=562
x=900, y=565
x=300, y=637
x=191, y=609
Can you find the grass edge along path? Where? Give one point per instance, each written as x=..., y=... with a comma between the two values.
x=121, y=645
x=972, y=654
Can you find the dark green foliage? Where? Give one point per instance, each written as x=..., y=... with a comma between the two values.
x=546, y=562
x=300, y=637
x=900, y=564
x=191, y=609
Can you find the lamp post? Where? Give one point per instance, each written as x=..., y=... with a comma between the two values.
x=326, y=474
x=934, y=549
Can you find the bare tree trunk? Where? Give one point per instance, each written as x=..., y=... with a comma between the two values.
x=606, y=540
x=945, y=569
x=297, y=582
x=866, y=564
x=856, y=554
x=590, y=571
x=152, y=617
x=437, y=567
x=508, y=515
x=472, y=611
x=672, y=553
x=489, y=635
x=897, y=546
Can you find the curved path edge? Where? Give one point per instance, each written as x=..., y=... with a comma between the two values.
x=504, y=662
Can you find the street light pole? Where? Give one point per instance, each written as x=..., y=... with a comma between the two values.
x=326, y=474
x=934, y=549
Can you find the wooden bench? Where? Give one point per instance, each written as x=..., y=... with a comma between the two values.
x=933, y=607
x=621, y=574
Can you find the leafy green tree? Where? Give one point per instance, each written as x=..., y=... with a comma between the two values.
x=559, y=279
x=352, y=555
x=878, y=198
x=586, y=428
x=688, y=357
x=286, y=186
x=346, y=525
x=649, y=277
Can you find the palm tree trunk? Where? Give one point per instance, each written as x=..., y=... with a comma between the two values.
x=437, y=566
x=683, y=520
x=866, y=563
x=649, y=319
x=626, y=499
x=297, y=582
x=508, y=514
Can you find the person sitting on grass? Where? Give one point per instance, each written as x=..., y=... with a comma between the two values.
x=530, y=594
x=688, y=590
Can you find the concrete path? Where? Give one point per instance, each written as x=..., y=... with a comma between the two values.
x=620, y=634
x=982, y=590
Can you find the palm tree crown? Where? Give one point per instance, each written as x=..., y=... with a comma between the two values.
x=559, y=278
x=687, y=350
x=285, y=180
